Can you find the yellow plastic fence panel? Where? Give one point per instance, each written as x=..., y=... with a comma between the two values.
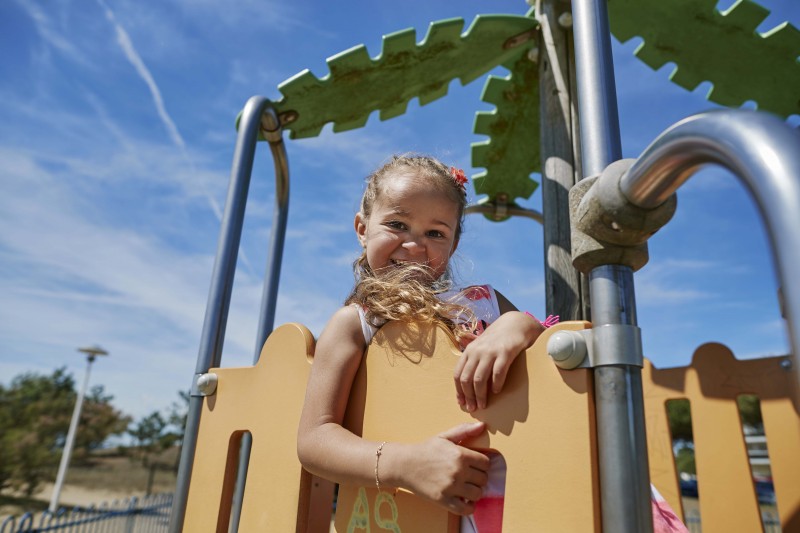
x=712, y=383
x=264, y=400
x=542, y=423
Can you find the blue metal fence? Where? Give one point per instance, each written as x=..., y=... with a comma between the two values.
x=151, y=515
x=135, y=515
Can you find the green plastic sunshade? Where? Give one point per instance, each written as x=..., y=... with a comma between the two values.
x=721, y=47
x=358, y=84
x=511, y=153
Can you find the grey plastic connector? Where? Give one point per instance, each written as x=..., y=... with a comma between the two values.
x=608, y=216
x=569, y=349
x=610, y=344
x=205, y=384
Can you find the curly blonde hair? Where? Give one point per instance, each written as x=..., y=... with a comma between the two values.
x=409, y=292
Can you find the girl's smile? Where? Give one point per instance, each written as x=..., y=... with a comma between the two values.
x=411, y=222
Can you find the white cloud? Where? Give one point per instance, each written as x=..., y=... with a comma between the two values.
x=52, y=35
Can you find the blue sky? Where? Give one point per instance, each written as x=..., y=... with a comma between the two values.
x=116, y=139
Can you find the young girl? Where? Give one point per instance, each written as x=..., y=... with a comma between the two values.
x=409, y=226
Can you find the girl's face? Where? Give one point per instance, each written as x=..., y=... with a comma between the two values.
x=411, y=222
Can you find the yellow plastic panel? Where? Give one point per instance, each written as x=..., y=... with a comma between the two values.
x=265, y=400
x=711, y=384
x=542, y=423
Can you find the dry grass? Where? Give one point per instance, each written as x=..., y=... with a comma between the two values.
x=108, y=472
x=119, y=473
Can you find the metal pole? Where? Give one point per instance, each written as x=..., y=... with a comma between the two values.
x=621, y=441
x=271, y=127
x=66, y=455
x=597, y=92
x=763, y=152
x=272, y=131
x=621, y=438
x=219, y=296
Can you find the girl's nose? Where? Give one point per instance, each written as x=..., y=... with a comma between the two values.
x=414, y=247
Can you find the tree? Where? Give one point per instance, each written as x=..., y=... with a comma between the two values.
x=176, y=416
x=35, y=412
x=151, y=435
x=750, y=412
x=684, y=460
x=99, y=420
x=680, y=420
x=680, y=426
x=35, y=418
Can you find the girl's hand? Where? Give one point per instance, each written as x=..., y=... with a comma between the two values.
x=444, y=472
x=486, y=359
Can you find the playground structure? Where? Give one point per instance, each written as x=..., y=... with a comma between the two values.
x=592, y=427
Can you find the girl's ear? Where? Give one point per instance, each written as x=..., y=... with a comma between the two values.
x=360, y=224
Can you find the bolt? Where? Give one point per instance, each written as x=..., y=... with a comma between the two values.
x=565, y=20
x=287, y=117
x=524, y=37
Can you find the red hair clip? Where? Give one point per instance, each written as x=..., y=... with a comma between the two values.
x=460, y=178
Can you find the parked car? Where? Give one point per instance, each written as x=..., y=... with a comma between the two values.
x=765, y=490
x=689, y=487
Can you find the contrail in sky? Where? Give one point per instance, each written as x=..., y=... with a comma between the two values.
x=126, y=44
x=135, y=59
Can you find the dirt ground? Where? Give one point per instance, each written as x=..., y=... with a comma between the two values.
x=71, y=495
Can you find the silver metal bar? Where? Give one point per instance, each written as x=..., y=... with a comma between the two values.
x=271, y=129
x=619, y=404
x=623, y=464
x=597, y=92
x=219, y=296
x=764, y=153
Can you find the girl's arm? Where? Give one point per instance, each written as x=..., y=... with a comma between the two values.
x=486, y=360
x=437, y=469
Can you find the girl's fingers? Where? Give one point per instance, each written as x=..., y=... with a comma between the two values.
x=464, y=382
x=499, y=374
x=457, y=378
x=463, y=432
x=477, y=477
x=460, y=506
x=464, y=501
x=480, y=382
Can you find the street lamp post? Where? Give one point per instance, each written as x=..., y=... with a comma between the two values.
x=91, y=353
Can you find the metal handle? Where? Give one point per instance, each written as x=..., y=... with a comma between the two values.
x=763, y=152
x=257, y=116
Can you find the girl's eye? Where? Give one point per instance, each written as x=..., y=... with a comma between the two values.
x=395, y=224
x=436, y=234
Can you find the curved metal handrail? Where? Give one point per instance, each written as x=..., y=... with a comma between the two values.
x=257, y=117
x=272, y=132
x=764, y=152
